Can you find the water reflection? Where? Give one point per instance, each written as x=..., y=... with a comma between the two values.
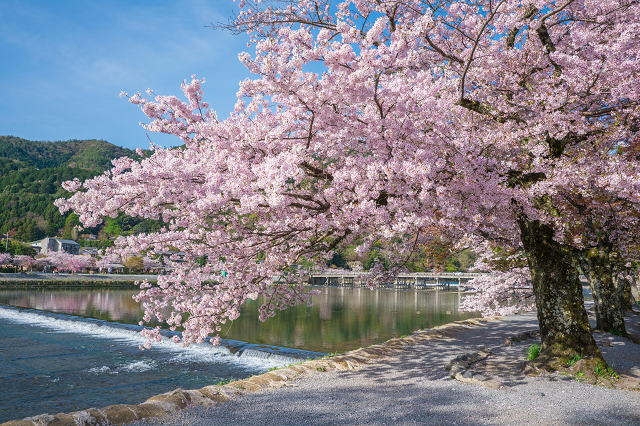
x=340, y=319
x=111, y=305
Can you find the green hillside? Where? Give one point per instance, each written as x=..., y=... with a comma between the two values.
x=86, y=154
x=31, y=173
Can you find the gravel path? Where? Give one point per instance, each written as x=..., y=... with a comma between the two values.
x=411, y=387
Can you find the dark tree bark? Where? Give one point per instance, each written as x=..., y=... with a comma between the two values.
x=597, y=266
x=623, y=292
x=635, y=293
x=564, y=325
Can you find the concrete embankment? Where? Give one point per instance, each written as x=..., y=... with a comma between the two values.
x=71, y=280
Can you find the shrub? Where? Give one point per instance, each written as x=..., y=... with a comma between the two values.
x=533, y=352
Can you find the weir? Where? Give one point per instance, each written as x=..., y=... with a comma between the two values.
x=131, y=333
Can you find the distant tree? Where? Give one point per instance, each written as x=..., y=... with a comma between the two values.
x=452, y=265
x=69, y=262
x=134, y=263
x=5, y=259
x=26, y=262
x=76, y=264
x=114, y=227
x=150, y=264
x=107, y=261
x=337, y=260
x=70, y=231
x=45, y=262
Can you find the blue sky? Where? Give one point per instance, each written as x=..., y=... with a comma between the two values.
x=64, y=63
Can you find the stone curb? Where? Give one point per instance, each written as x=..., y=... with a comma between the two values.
x=209, y=396
x=460, y=371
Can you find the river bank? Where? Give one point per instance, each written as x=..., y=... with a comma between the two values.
x=405, y=381
x=39, y=279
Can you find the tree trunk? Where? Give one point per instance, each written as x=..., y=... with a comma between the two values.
x=623, y=292
x=597, y=267
x=635, y=293
x=564, y=325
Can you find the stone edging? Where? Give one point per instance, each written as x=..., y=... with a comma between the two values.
x=210, y=396
x=460, y=371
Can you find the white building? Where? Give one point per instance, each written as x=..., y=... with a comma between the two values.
x=50, y=245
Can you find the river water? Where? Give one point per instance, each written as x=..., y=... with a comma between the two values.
x=65, y=350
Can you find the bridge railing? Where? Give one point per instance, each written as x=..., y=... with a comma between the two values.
x=406, y=280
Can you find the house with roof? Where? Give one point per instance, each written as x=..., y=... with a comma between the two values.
x=53, y=245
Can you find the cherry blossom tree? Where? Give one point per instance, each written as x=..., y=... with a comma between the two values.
x=67, y=262
x=24, y=261
x=507, y=290
x=109, y=260
x=5, y=259
x=76, y=264
x=57, y=259
x=378, y=121
x=45, y=262
x=150, y=264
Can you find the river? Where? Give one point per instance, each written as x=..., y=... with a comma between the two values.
x=66, y=350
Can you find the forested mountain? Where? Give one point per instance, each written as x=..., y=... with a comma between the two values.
x=86, y=154
x=31, y=173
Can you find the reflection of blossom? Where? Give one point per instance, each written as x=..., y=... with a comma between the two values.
x=117, y=305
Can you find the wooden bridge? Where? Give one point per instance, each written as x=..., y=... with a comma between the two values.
x=418, y=280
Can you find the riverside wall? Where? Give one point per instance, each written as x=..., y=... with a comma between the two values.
x=71, y=280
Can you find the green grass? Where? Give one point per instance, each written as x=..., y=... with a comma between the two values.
x=321, y=368
x=533, y=352
x=332, y=354
x=574, y=360
x=604, y=370
x=289, y=365
x=222, y=383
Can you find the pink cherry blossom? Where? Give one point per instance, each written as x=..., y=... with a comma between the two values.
x=375, y=121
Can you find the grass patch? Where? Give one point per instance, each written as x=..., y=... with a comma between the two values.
x=603, y=370
x=533, y=352
x=574, y=360
x=321, y=368
x=288, y=365
x=223, y=382
x=332, y=354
